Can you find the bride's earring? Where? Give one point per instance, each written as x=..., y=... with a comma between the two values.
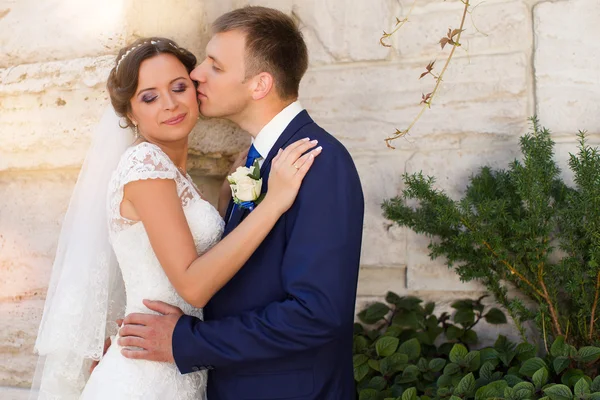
x=135, y=132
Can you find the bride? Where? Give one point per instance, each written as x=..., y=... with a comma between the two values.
x=132, y=205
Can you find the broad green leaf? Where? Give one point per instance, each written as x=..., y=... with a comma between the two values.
x=392, y=298
x=571, y=377
x=594, y=396
x=429, y=307
x=495, y=316
x=473, y=360
x=486, y=371
x=458, y=353
x=360, y=344
x=422, y=365
x=359, y=360
x=375, y=364
x=437, y=364
x=378, y=383
x=374, y=313
x=525, y=351
x=531, y=366
x=410, y=394
x=492, y=390
x=466, y=386
x=582, y=388
x=464, y=317
x=412, y=348
x=470, y=337
x=523, y=394
x=595, y=386
x=524, y=386
x=463, y=305
x=512, y=380
x=368, y=394
x=451, y=369
x=409, y=303
x=452, y=332
x=411, y=372
x=360, y=372
x=560, y=364
x=394, y=363
x=558, y=392
x=455, y=398
x=559, y=348
x=489, y=354
x=540, y=378
x=386, y=346
x=444, y=381
x=589, y=354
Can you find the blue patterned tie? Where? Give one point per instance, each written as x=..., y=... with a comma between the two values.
x=253, y=154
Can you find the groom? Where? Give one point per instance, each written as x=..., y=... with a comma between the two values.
x=282, y=327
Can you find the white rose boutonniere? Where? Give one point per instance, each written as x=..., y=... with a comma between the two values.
x=246, y=185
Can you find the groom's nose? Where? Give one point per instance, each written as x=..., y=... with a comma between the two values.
x=198, y=74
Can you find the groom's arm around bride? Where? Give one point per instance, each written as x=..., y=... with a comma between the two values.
x=316, y=245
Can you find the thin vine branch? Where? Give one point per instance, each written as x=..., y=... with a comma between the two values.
x=399, y=24
x=428, y=98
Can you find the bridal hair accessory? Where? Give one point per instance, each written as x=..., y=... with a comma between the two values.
x=152, y=42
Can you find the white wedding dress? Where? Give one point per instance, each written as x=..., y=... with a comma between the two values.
x=117, y=377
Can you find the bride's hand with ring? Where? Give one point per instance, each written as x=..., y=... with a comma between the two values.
x=288, y=169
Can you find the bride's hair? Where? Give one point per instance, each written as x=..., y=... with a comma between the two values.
x=123, y=78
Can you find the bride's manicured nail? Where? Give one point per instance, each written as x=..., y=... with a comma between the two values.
x=314, y=141
x=319, y=148
x=306, y=139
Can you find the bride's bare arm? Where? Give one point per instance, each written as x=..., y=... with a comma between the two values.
x=197, y=279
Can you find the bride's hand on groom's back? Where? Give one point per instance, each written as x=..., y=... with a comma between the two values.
x=288, y=169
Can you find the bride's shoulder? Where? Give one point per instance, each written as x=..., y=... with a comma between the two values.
x=143, y=153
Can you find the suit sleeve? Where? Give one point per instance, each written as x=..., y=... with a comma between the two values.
x=320, y=269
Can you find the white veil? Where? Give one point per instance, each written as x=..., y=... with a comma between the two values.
x=86, y=293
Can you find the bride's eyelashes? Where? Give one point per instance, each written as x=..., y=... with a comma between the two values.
x=180, y=88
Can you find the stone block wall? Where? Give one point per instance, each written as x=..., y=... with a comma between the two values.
x=519, y=57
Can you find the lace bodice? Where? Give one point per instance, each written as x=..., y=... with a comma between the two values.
x=117, y=377
x=142, y=273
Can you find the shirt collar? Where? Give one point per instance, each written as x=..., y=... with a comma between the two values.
x=268, y=135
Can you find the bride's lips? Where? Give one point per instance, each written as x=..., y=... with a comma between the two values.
x=175, y=120
x=201, y=96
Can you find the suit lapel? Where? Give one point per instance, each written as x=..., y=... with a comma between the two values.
x=298, y=122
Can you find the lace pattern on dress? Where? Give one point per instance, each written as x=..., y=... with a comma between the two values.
x=140, y=162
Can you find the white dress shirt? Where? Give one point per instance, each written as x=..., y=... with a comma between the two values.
x=268, y=135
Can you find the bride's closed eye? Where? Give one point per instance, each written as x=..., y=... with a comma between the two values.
x=179, y=88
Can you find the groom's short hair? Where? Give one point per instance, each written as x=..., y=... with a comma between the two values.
x=274, y=44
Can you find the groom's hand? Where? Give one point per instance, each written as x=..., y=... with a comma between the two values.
x=152, y=334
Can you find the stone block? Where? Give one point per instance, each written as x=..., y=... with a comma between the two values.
x=565, y=55
x=34, y=31
x=490, y=28
x=17, y=338
x=377, y=281
x=344, y=30
x=362, y=105
x=58, y=104
x=185, y=21
x=384, y=242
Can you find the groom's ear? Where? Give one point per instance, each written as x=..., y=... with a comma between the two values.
x=263, y=84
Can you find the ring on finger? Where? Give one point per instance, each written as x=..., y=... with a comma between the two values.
x=295, y=166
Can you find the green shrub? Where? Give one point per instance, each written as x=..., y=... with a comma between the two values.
x=504, y=231
x=402, y=351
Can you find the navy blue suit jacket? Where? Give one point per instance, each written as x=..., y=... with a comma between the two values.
x=282, y=327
